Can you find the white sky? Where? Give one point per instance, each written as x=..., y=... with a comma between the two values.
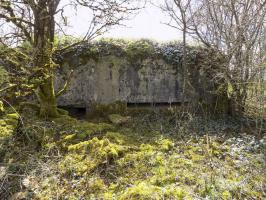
x=147, y=24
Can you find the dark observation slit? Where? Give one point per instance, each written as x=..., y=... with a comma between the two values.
x=81, y=112
x=153, y=104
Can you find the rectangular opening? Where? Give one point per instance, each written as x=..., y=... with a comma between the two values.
x=153, y=104
x=77, y=112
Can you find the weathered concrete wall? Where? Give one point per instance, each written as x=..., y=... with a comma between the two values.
x=112, y=79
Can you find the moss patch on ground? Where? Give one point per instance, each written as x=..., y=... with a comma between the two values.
x=146, y=158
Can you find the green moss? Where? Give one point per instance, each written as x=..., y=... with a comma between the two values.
x=66, y=121
x=8, y=125
x=103, y=110
x=80, y=147
x=99, y=151
x=70, y=137
x=166, y=144
x=96, y=185
x=93, y=128
x=12, y=122
x=163, y=176
x=2, y=110
x=142, y=191
x=139, y=50
x=176, y=193
x=146, y=191
x=82, y=130
x=2, y=123
x=131, y=49
x=118, y=119
x=13, y=116
x=226, y=195
x=115, y=137
x=6, y=131
x=76, y=164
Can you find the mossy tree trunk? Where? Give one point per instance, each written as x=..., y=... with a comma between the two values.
x=47, y=99
x=44, y=27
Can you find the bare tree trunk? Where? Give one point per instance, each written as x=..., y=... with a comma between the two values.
x=184, y=64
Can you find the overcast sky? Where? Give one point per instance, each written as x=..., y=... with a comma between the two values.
x=147, y=24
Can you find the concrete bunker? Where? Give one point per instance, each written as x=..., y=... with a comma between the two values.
x=137, y=72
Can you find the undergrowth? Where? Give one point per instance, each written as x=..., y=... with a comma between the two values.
x=149, y=156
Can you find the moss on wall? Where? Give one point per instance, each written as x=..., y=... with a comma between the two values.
x=138, y=50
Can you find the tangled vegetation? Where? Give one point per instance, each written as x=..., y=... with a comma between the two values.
x=148, y=156
x=137, y=50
